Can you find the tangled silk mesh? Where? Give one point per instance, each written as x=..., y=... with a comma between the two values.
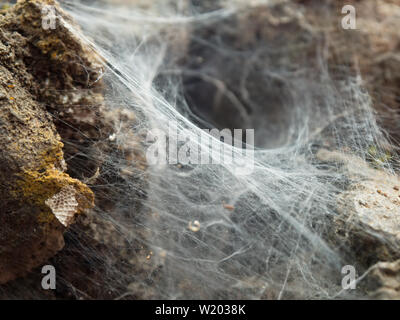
x=215, y=233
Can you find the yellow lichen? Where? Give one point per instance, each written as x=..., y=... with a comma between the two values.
x=35, y=186
x=52, y=156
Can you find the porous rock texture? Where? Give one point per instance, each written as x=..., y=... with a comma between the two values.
x=56, y=129
x=368, y=217
x=384, y=281
x=32, y=166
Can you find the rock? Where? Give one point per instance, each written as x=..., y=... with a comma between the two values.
x=62, y=77
x=383, y=282
x=369, y=211
x=32, y=166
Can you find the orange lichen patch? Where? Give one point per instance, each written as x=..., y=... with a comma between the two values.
x=37, y=187
x=11, y=86
x=52, y=156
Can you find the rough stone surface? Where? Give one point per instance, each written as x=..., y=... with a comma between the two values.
x=31, y=152
x=369, y=211
x=384, y=281
x=63, y=78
